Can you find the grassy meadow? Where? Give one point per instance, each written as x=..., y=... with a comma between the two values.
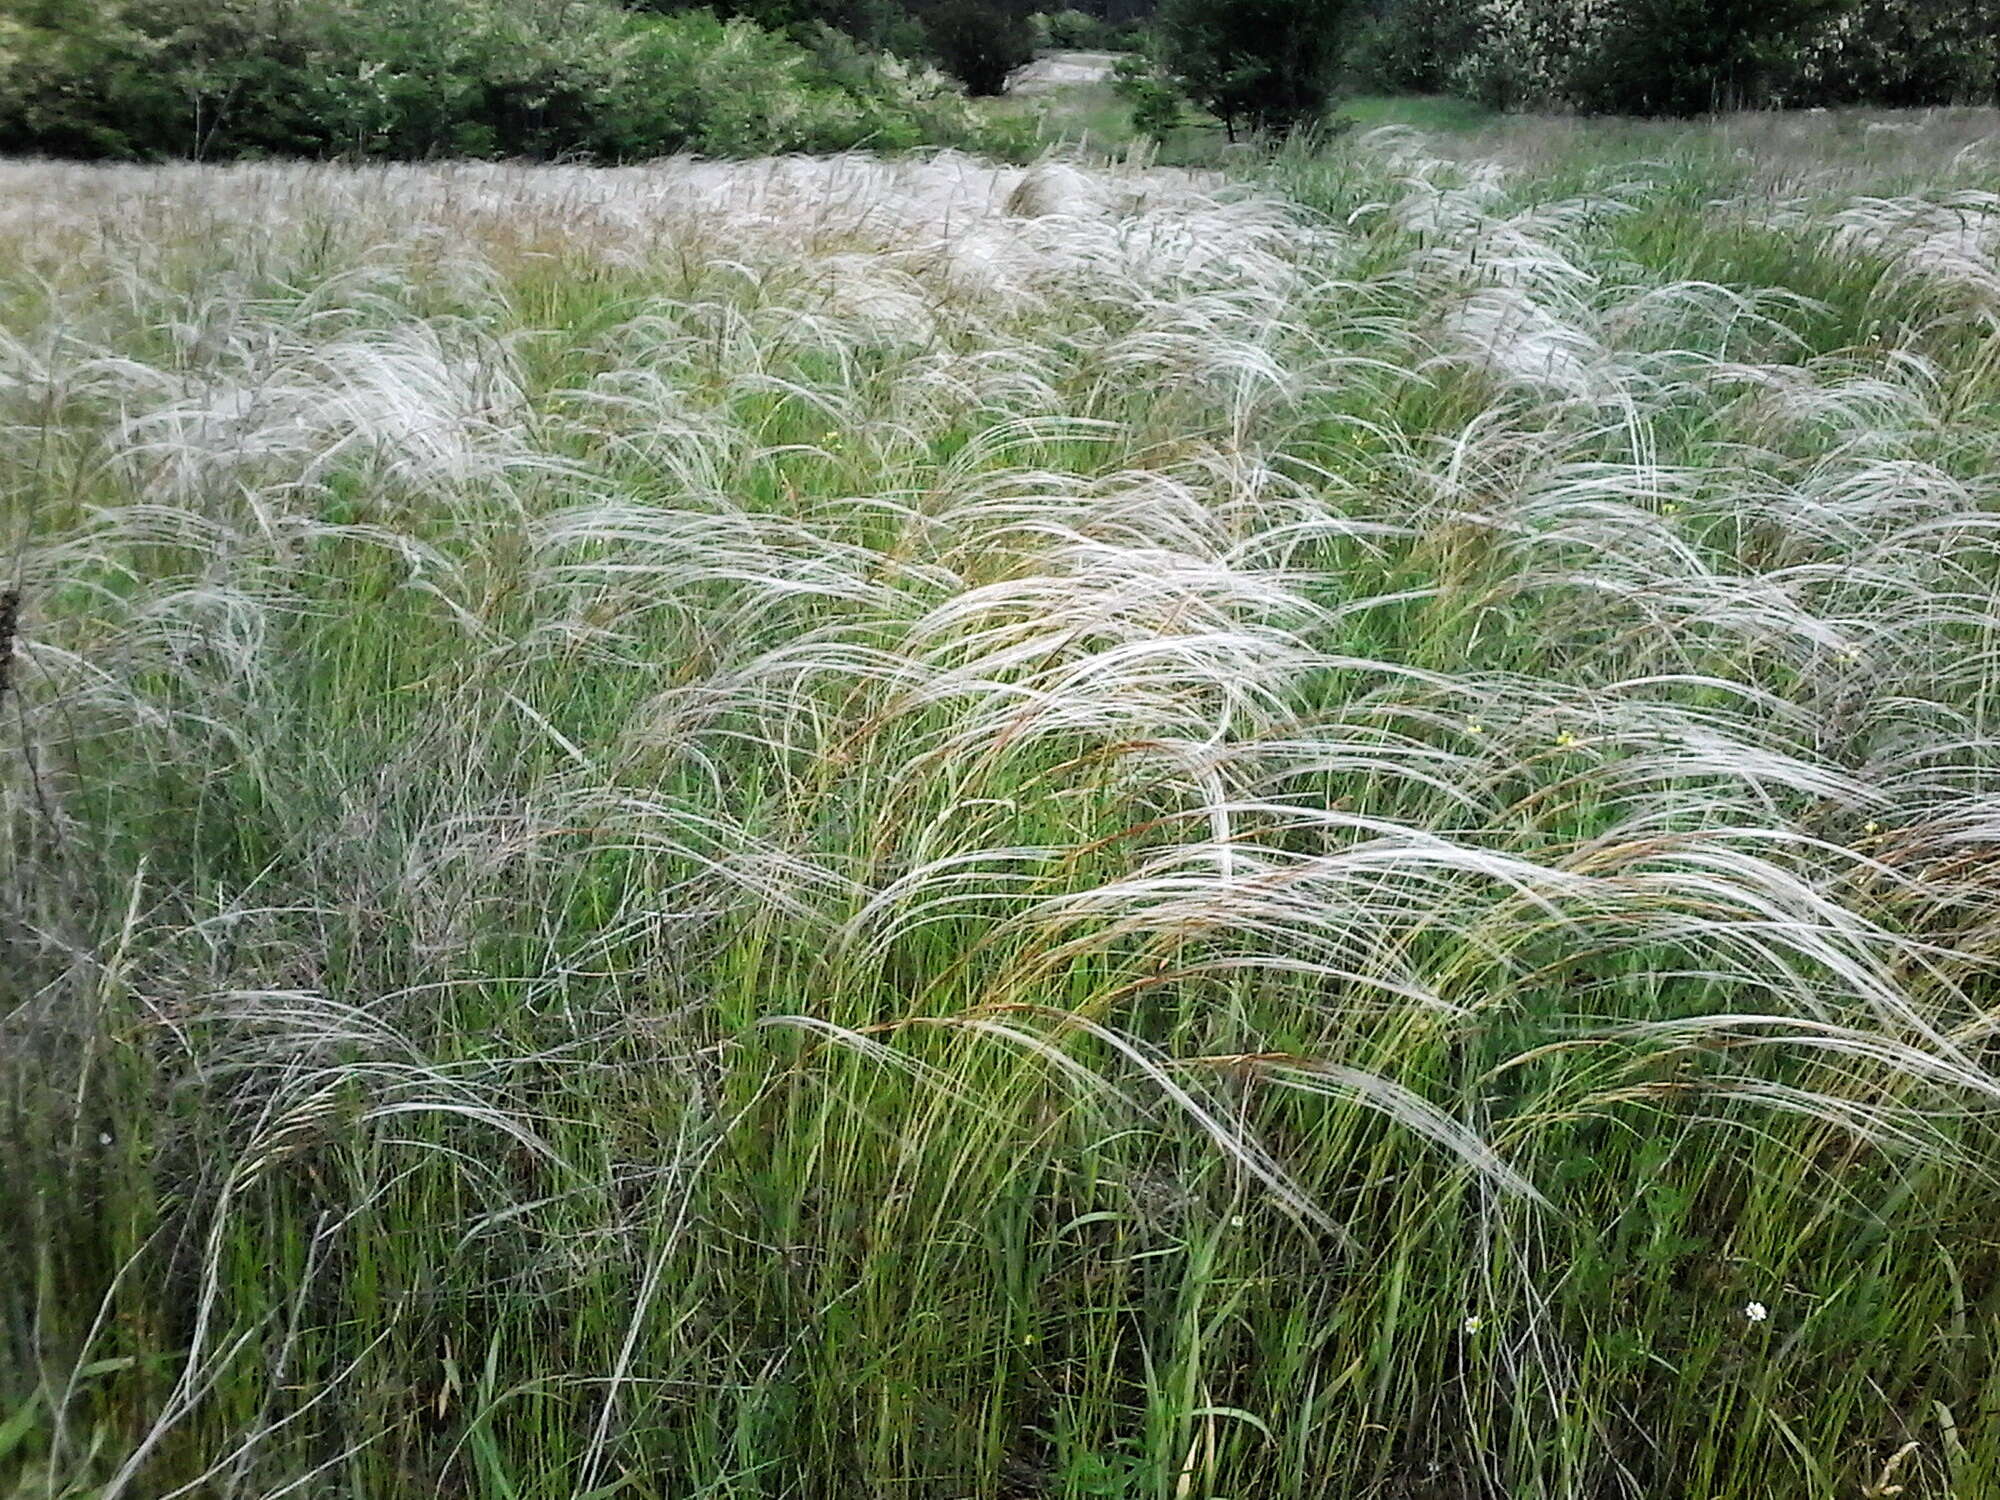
x=868, y=828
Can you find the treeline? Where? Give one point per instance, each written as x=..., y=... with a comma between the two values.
x=1678, y=57
x=597, y=79
x=1272, y=65
x=613, y=80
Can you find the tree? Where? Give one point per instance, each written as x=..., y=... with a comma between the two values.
x=1902, y=53
x=980, y=42
x=1271, y=63
x=1686, y=57
x=1411, y=46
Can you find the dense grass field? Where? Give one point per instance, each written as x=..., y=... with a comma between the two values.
x=853, y=828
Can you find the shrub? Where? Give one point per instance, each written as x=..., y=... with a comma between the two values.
x=980, y=42
x=1525, y=52
x=1902, y=53
x=1074, y=28
x=1268, y=62
x=1684, y=57
x=1153, y=95
x=1648, y=57
x=417, y=78
x=1156, y=111
x=1413, y=46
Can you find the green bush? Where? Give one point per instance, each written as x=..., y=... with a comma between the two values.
x=1154, y=95
x=1685, y=57
x=1413, y=46
x=1902, y=53
x=417, y=78
x=1682, y=57
x=1267, y=63
x=1074, y=29
x=980, y=42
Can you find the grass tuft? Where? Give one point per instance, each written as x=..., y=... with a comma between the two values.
x=842, y=827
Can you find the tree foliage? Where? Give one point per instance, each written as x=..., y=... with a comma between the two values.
x=1903, y=53
x=1411, y=46
x=415, y=78
x=1270, y=63
x=1681, y=57
x=886, y=25
x=1686, y=57
x=979, y=41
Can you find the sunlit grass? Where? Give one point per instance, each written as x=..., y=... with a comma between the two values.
x=1092, y=120
x=1430, y=112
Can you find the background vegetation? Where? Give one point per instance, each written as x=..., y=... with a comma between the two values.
x=1681, y=57
x=625, y=80
x=419, y=78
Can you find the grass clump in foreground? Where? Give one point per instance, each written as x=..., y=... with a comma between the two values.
x=851, y=828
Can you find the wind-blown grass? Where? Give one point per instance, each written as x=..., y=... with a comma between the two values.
x=849, y=827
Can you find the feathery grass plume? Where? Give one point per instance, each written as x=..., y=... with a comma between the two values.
x=833, y=825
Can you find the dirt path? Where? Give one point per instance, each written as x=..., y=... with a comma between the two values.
x=1061, y=69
